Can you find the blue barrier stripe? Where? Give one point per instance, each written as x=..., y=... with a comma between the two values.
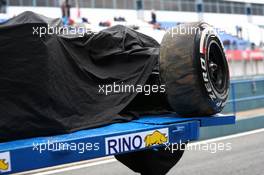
x=247, y=99
x=247, y=81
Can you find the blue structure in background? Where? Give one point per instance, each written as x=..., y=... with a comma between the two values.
x=167, y=24
x=245, y=95
x=2, y=20
x=234, y=42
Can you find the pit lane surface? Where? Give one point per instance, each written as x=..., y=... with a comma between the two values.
x=245, y=158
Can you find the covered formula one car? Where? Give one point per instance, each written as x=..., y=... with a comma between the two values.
x=55, y=83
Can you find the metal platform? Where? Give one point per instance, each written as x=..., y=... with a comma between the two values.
x=144, y=133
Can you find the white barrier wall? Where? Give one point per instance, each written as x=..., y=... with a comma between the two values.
x=213, y=18
x=132, y=14
x=224, y=21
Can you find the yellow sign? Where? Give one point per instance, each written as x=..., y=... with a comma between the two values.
x=3, y=165
x=5, y=162
x=156, y=138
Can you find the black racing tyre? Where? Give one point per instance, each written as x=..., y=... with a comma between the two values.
x=194, y=69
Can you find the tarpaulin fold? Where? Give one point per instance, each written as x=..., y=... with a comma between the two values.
x=50, y=84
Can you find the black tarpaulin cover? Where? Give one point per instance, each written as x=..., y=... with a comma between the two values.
x=50, y=84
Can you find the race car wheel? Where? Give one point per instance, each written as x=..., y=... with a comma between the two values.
x=194, y=69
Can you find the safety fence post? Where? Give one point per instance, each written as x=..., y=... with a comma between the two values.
x=233, y=92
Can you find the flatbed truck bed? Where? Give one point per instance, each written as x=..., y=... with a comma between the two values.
x=119, y=138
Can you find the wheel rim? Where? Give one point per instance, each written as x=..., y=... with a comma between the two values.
x=217, y=67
